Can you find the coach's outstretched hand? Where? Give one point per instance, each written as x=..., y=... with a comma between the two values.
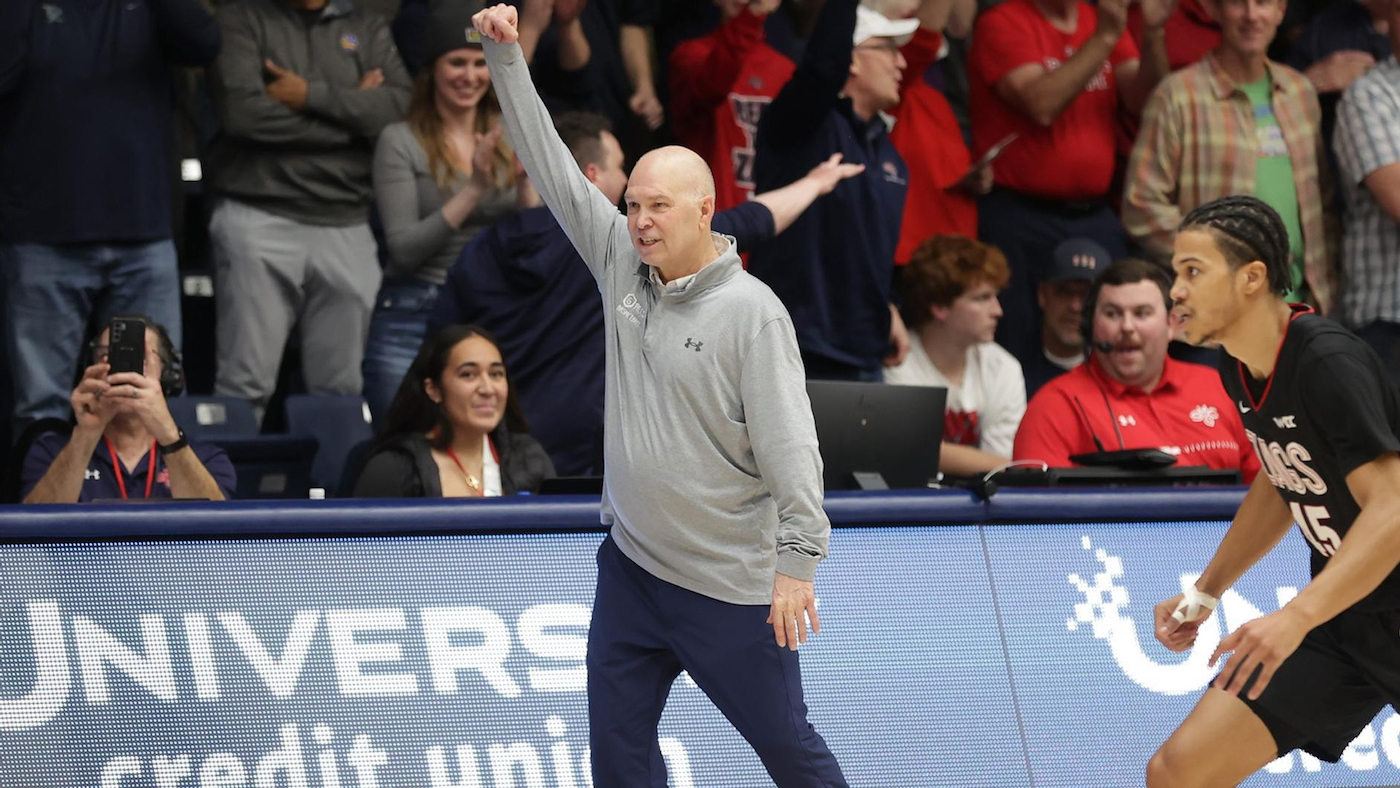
x=500, y=23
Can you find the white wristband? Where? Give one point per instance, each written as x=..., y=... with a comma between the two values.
x=1192, y=602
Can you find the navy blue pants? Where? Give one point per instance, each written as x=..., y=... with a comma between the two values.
x=645, y=631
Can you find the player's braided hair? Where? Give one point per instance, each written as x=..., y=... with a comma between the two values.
x=1246, y=229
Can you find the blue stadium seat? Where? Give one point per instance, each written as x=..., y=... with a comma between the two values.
x=355, y=461
x=208, y=418
x=338, y=423
x=268, y=466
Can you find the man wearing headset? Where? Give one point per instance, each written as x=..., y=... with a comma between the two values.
x=125, y=444
x=1129, y=394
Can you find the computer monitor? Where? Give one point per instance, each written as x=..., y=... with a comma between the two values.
x=863, y=428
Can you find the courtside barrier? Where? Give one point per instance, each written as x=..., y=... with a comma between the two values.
x=331, y=644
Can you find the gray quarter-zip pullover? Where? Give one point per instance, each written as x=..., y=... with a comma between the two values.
x=713, y=478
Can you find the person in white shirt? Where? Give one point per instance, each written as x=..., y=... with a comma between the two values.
x=950, y=301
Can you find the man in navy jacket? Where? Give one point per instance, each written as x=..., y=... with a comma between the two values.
x=834, y=271
x=522, y=280
x=86, y=155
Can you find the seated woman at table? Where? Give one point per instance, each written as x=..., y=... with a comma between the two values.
x=453, y=430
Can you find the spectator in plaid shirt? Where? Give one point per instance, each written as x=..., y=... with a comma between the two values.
x=1367, y=144
x=1236, y=123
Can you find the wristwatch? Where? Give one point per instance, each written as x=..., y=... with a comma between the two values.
x=180, y=442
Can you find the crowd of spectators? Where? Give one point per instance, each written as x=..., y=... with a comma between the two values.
x=1009, y=241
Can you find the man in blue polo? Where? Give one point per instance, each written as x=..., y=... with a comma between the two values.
x=834, y=268
x=125, y=444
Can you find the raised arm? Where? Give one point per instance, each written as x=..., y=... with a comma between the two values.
x=789, y=202
x=366, y=111
x=815, y=87
x=700, y=83
x=1031, y=89
x=188, y=33
x=593, y=225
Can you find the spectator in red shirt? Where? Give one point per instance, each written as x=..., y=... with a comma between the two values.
x=1054, y=73
x=1130, y=394
x=720, y=85
x=943, y=187
x=1190, y=32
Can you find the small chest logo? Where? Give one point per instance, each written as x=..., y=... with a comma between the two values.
x=1127, y=420
x=1205, y=414
x=694, y=343
x=349, y=42
x=92, y=475
x=53, y=14
x=631, y=309
x=1285, y=422
x=892, y=173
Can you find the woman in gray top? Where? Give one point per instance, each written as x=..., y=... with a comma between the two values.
x=440, y=177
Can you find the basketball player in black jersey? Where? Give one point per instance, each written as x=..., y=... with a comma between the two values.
x=1316, y=407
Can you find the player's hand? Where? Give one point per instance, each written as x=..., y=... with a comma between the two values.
x=500, y=23
x=1177, y=635
x=140, y=396
x=899, y=339
x=794, y=605
x=1263, y=643
x=831, y=172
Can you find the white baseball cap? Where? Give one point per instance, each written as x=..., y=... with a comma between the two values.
x=873, y=24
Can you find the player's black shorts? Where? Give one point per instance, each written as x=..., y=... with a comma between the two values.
x=1338, y=680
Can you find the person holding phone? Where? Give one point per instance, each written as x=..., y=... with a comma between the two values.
x=125, y=444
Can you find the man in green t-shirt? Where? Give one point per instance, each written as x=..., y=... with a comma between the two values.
x=1237, y=123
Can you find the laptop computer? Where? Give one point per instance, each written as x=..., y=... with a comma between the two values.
x=877, y=428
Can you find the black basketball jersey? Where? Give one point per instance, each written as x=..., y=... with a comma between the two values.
x=1326, y=410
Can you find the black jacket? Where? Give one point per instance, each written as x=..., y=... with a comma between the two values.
x=404, y=468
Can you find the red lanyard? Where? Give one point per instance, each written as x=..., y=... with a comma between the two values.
x=121, y=474
x=494, y=456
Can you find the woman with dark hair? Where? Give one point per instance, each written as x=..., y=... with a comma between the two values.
x=441, y=176
x=453, y=430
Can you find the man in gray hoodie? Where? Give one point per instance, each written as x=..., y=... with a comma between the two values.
x=303, y=88
x=713, y=479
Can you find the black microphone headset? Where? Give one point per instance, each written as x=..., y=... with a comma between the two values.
x=1086, y=330
x=1091, y=300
